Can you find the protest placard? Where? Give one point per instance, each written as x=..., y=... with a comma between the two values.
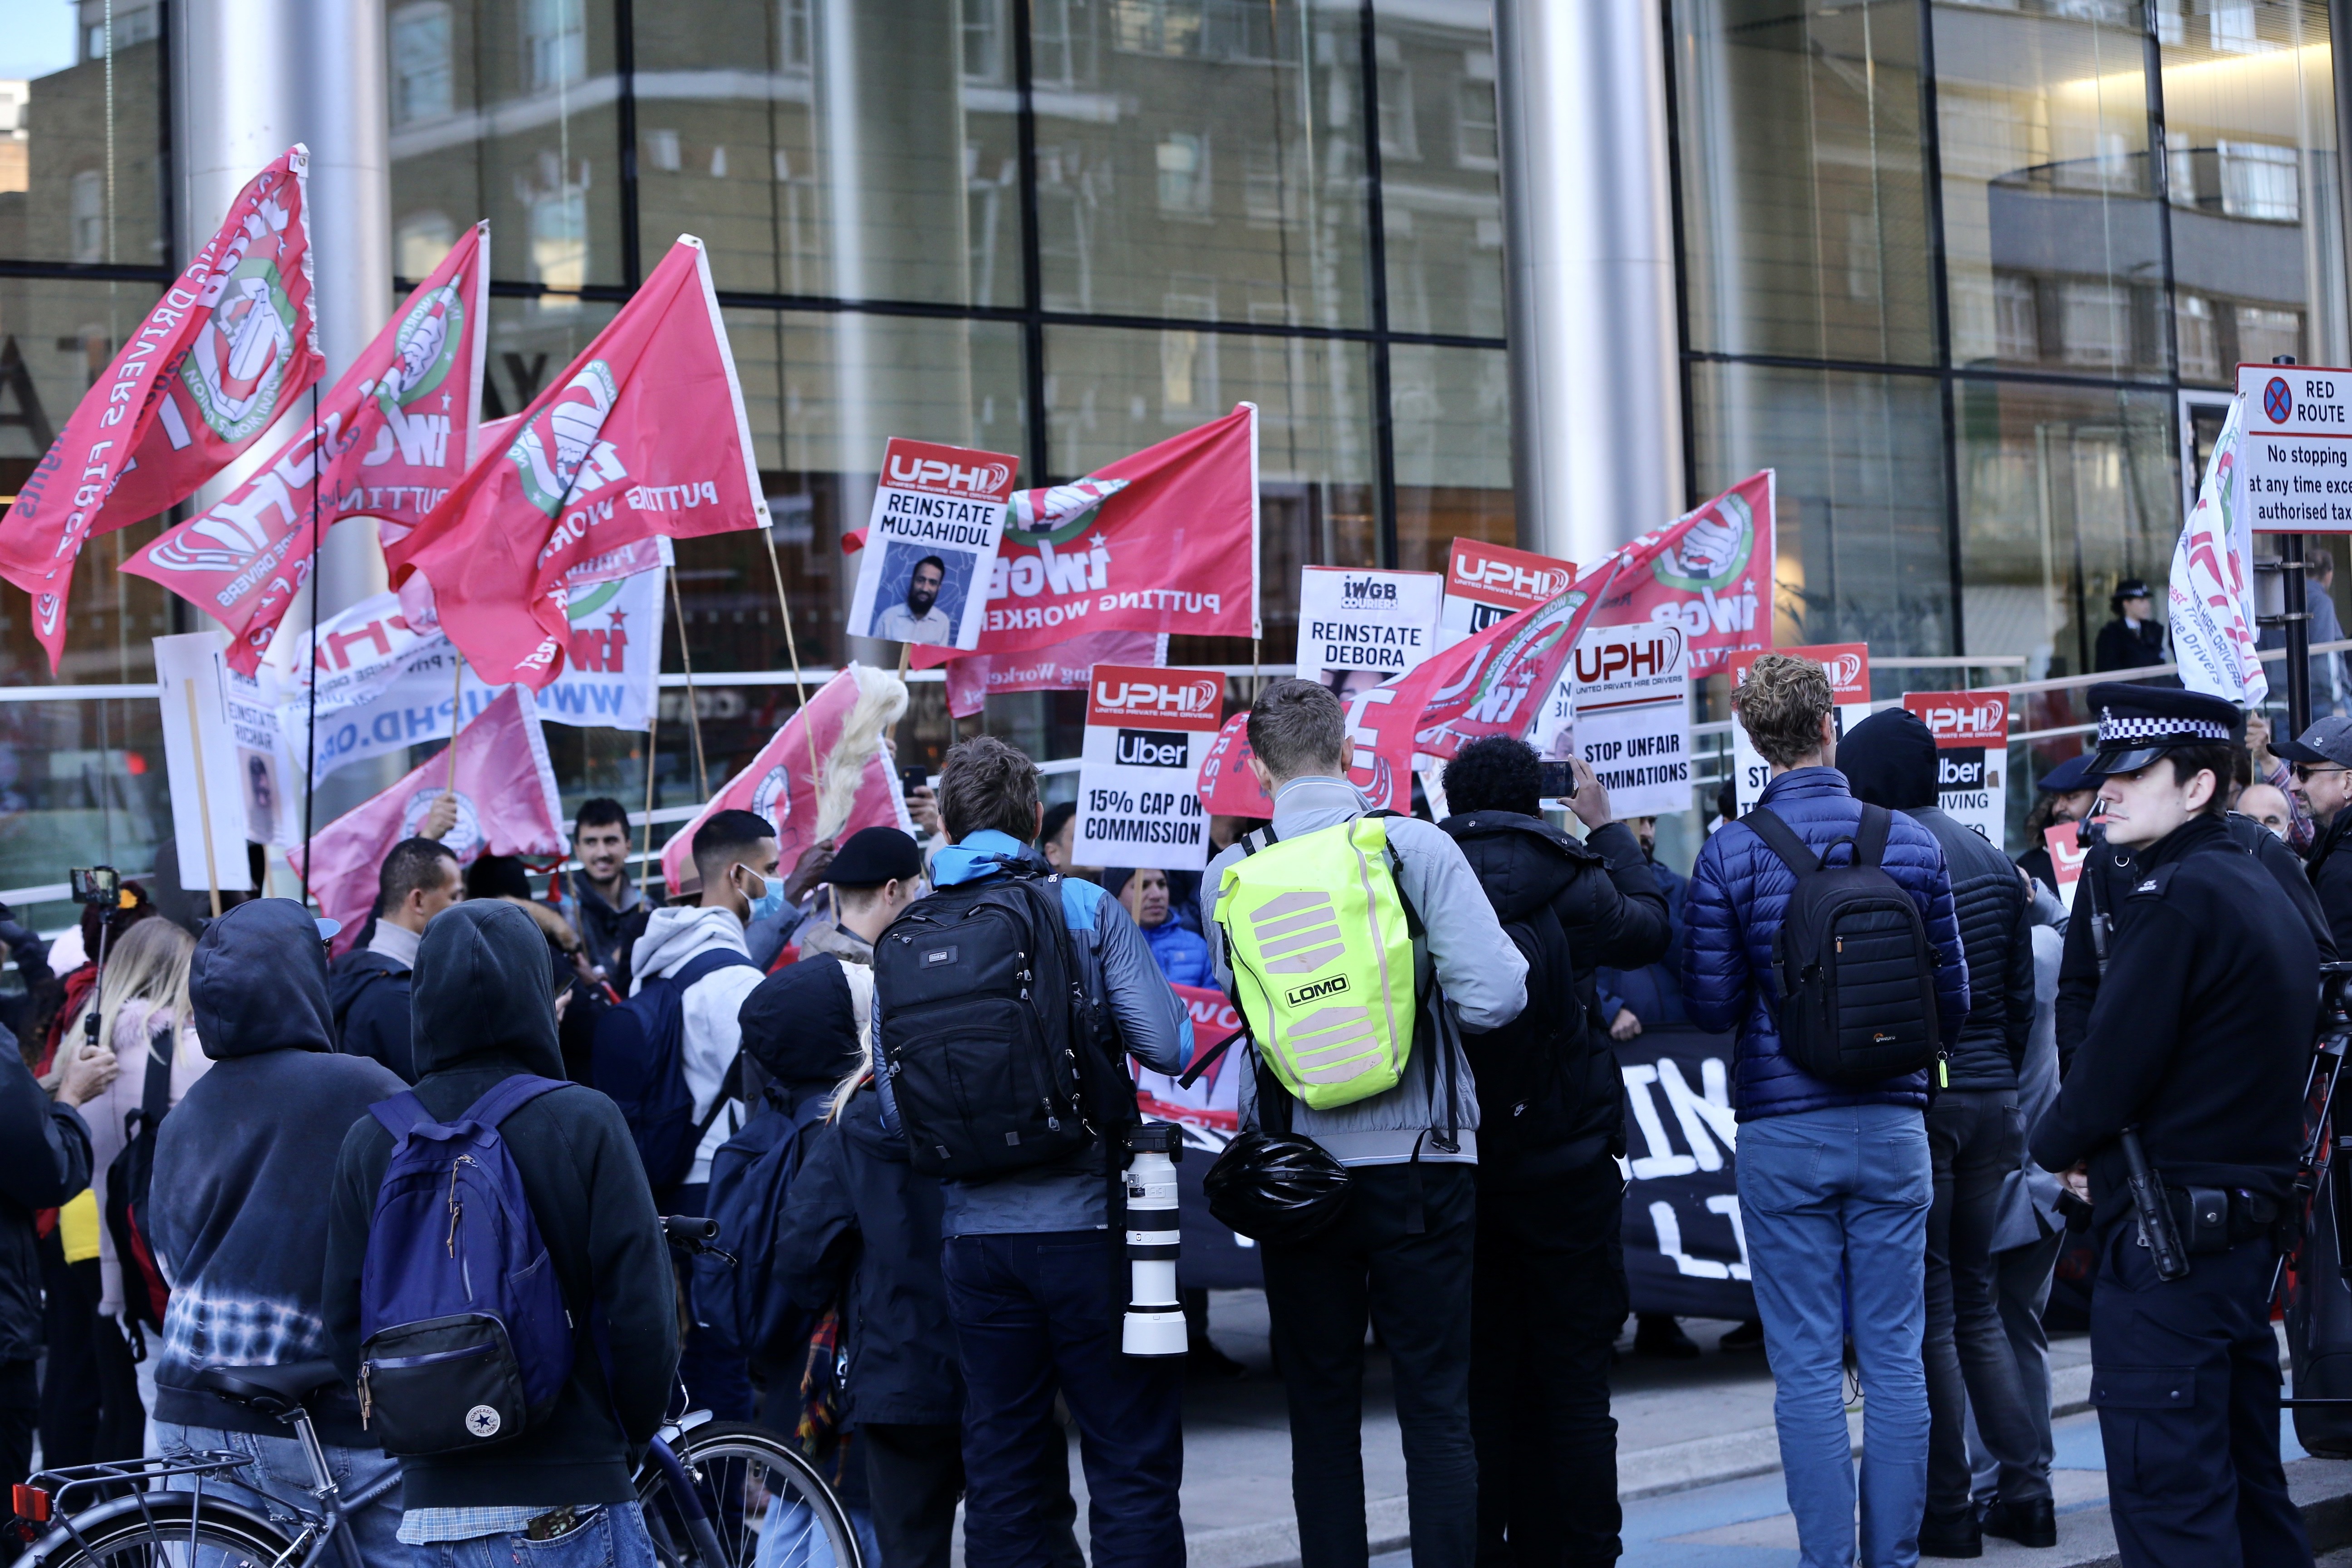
x=930, y=544
x=1147, y=733
x=1848, y=664
x=1359, y=629
x=2066, y=856
x=1485, y=581
x=201, y=761
x=2294, y=461
x=1971, y=730
x=1623, y=705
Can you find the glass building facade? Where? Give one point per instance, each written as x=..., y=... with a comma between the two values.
x=1970, y=274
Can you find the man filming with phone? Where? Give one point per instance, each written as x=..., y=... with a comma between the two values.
x=2188, y=1076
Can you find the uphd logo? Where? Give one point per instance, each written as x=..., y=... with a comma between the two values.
x=1159, y=698
x=1476, y=570
x=1636, y=657
x=939, y=474
x=1153, y=748
x=1312, y=991
x=1988, y=718
x=1365, y=590
x=1844, y=671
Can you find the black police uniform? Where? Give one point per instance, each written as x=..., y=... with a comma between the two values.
x=2199, y=1037
x=2122, y=645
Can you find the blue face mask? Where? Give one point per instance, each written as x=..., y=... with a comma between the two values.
x=769, y=902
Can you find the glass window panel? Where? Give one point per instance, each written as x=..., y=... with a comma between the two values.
x=506, y=110
x=1203, y=158
x=2052, y=247
x=2255, y=199
x=1452, y=409
x=1804, y=215
x=2063, y=490
x=1441, y=195
x=81, y=784
x=1862, y=553
x=80, y=140
x=1109, y=392
x=857, y=149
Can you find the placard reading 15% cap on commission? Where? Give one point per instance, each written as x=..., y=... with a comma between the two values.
x=2294, y=456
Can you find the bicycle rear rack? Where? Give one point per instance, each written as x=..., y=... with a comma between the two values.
x=40, y=1501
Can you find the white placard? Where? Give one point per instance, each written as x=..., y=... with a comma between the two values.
x=200, y=758
x=2294, y=460
x=1849, y=670
x=1357, y=629
x=1623, y=705
x=1148, y=731
x=930, y=545
x=1971, y=730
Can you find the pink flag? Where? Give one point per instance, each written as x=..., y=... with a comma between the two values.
x=1226, y=785
x=1714, y=581
x=644, y=435
x=226, y=350
x=852, y=786
x=975, y=678
x=1162, y=541
x=393, y=436
x=507, y=804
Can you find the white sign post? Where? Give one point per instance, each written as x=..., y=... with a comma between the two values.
x=1148, y=731
x=1623, y=705
x=2294, y=459
x=930, y=544
x=200, y=758
x=1357, y=629
x=1848, y=664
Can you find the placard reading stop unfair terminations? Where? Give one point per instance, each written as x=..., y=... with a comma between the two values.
x=2294, y=459
x=1148, y=731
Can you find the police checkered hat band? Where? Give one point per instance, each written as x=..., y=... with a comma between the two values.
x=2116, y=733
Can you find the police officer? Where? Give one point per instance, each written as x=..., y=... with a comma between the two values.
x=2195, y=1049
x=2135, y=638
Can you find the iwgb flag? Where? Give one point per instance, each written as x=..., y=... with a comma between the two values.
x=229, y=348
x=2213, y=623
x=644, y=434
x=1162, y=541
x=507, y=804
x=1714, y=581
x=971, y=680
x=850, y=787
x=392, y=438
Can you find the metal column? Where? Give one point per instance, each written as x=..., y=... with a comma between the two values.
x=1596, y=413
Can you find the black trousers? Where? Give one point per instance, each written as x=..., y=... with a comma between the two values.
x=2186, y=1377
x=914, y=1474
x=20, y=1402
x=89, y=1406
x=1547, y=1297
x=1416, y=1286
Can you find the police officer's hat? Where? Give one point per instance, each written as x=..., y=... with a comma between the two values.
x=2130, y=588
x=2074, y=774
x=2138, y=724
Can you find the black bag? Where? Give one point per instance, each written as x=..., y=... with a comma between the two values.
x=127, y=1179
x=994, y=1055
x=1856, y=970
x=1272, y=1185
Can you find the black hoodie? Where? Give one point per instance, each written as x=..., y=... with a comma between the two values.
x=234, y=1214
x=1554, y=1101
x=483, y=1011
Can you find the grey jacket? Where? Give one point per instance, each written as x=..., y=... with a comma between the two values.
x=1463, y=950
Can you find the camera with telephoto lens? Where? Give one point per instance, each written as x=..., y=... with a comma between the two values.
x=1155, y=1319
x=101, y=887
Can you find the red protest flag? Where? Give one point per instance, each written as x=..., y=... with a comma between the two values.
x=1226, y=786
x=975, y=678
x=1164, y=539
x=392, y=436
x=227, y=349
x=1714, y=580
x=644, y=434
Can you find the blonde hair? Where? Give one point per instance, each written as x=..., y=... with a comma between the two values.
x=149, y=963
x=1781, y=705
x=850, y=1085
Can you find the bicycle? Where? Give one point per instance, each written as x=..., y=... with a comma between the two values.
x=702, y=1484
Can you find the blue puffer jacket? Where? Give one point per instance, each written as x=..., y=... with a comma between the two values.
x=1732, y=909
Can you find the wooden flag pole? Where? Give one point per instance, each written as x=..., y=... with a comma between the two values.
x=685, y=658
x=792, y=648
x=456, y=721
x=203, y=798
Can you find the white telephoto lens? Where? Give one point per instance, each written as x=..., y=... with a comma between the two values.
x=1154, y=1325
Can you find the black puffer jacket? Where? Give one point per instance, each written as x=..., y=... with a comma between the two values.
x=1553, y=1100
x=1889, y=759
x=44, y=1160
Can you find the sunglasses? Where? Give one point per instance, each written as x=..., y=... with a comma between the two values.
x=2307, y=772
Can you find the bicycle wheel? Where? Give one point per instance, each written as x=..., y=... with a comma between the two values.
x=766, y=1506
x=163, y=1529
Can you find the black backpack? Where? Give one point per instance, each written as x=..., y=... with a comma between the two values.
x=996, y=1058
x=1856, y=970
x=131, y=1178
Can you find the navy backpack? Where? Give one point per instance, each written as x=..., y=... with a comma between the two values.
x=463, y=1336
x=744, y=1308
x=640, y=1060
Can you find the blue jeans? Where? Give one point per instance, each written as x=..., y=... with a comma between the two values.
x=1035, y=1313
x=280, y=1477
x=612, y=1535
x=1834, y=1204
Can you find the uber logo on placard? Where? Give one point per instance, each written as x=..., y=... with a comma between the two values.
x=1153, y=748
x=1962, y=767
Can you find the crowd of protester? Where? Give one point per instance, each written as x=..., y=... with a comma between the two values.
x=741, y=1026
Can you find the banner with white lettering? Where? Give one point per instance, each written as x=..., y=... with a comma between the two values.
x=1848, y=664
x=1485, y=582
x=1147, y=733
x=1971, y=730
x=930, y=544
x=1357, y=629
x=1686, y=1252
x=1623, y=705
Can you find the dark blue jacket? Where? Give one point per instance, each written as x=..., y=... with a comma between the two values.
x=1654, y=991
x=1732, y=909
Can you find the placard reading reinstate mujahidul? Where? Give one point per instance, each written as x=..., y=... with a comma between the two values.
x=1357, y=629
x=1148, y=731
x=1848, y=664
x=2294, y=459
x=1623, y=705
x=930, y=544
